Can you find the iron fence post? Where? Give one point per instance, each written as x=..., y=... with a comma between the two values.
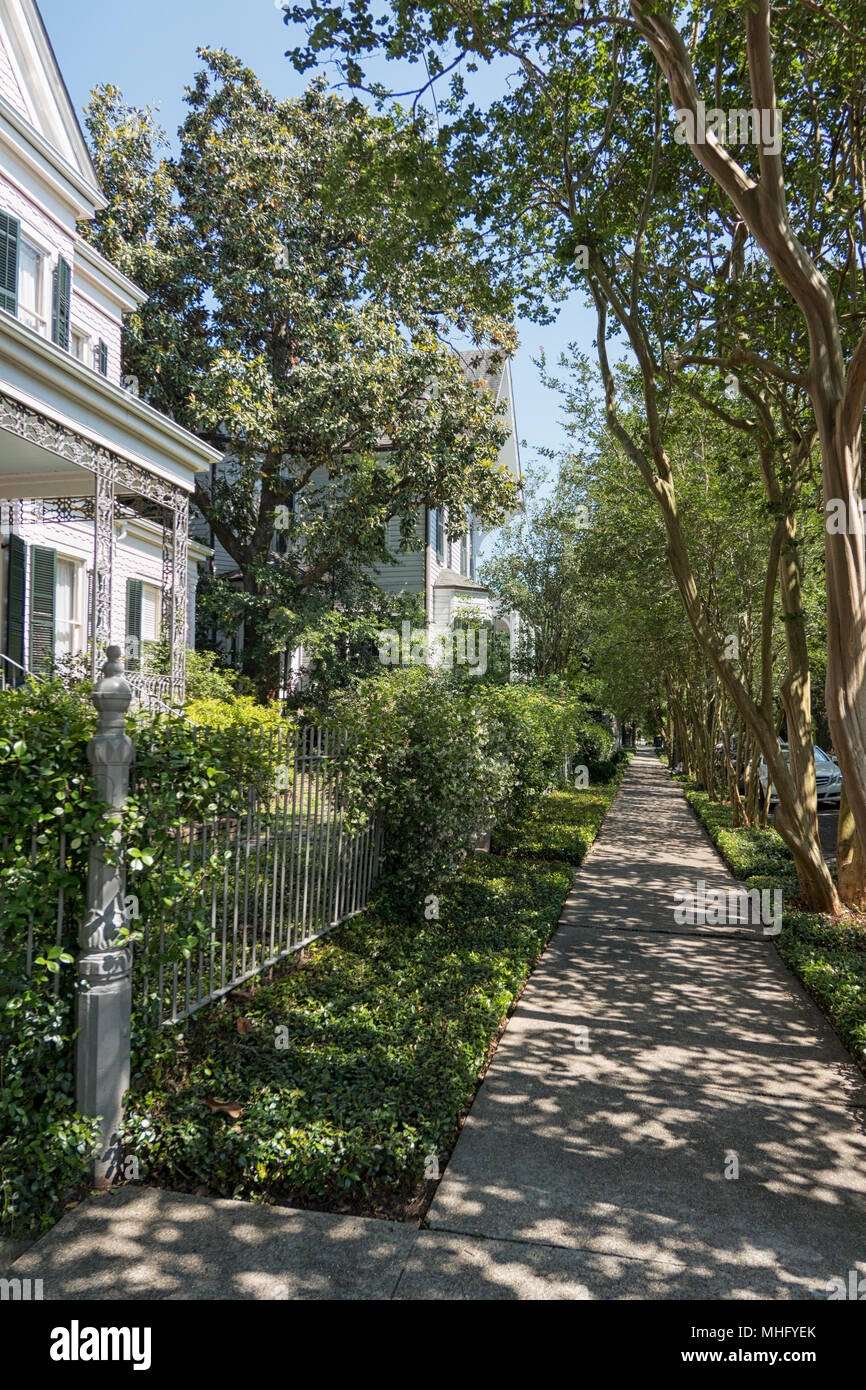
x=104, y=962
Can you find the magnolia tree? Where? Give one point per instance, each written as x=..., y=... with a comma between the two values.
x=308, y=285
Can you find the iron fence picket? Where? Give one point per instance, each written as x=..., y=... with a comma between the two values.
x=304, y=869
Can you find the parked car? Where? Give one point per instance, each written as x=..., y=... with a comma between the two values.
x=827, y=776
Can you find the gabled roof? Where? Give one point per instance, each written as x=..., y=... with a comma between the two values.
x=36, y=89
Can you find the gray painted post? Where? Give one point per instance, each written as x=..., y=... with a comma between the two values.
x=104, y=968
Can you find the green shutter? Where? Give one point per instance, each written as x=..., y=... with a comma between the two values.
x=133, y=624
x=10, y=236
x=15, y=600
x=62, y=304
x=103, y=357
x=43, y=565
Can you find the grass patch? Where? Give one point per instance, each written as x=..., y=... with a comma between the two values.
x=341, y=1079
x=828, y=956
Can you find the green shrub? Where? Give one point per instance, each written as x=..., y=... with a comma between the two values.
x=207, y=676
x=184, y=774
x=440, y=762
x=45, y=789
x=249, y=740
x=562, y=826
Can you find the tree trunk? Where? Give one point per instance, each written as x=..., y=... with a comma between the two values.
x=845, y=695
x=796, y=689
x=850, y=859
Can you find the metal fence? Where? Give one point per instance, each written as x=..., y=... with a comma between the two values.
x=277, y=869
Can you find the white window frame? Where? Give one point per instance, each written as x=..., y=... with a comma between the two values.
x=86, y=358
x=50, y=255
x=157, y=589
x=80, y=592
x=25, y=314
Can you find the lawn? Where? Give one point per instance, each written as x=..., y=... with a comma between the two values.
x=342, y=1084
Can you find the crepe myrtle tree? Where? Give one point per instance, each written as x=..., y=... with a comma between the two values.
x=704, y=56
x=308, y=282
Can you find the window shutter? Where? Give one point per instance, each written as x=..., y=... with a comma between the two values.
x=102, y=357
x=436, y=537
x=10, y=235
x=42, y=572
x=15, y=601
x=133, y=624
x=62, y=304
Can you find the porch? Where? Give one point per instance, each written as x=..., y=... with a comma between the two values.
x=89, y=458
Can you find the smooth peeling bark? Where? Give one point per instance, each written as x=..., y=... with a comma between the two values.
x=838, y=394
x=850, y=859
x=793, y=821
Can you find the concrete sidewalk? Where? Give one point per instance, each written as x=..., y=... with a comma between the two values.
x=645, y=1063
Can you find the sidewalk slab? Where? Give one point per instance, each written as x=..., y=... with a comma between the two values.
x=733, y=994
x=636, y=868
x=697, y=1048
x=448, y=1267
x=145, y=1243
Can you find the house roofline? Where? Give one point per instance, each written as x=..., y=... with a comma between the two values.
x=124, y=289
x=55, y=76
x=65, y=178
x=118, y=407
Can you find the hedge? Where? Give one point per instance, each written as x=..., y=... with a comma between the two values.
x=46, y=784
x=440, y=763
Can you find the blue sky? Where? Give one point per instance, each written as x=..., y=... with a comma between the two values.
x=149, y=51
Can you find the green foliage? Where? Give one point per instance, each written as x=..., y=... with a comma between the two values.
x=305, y=274
x=565, y=823
x=440, y=762
x=45, y=790
x=388, y=1025
x=830, y=959
x=185, y=773
x=207, y=677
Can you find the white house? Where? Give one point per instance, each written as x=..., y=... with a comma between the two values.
x=444, y=568
x=94, y=483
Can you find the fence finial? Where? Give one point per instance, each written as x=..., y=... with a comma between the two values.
x=105, y=961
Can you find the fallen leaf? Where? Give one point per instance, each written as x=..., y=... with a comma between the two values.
x=225, y=1107
x=245, y=1027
